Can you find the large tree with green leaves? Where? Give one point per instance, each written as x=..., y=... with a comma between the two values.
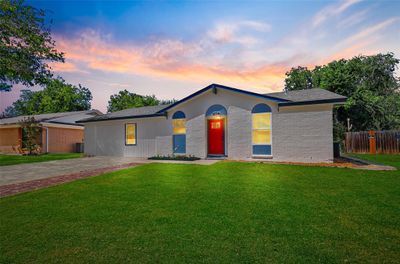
x=57, y=96
x=369, y=82
x=26, y=45
x=125, y=99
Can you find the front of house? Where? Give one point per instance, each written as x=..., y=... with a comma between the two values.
x=220, y=121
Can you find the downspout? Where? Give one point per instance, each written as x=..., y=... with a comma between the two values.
x=47, y=139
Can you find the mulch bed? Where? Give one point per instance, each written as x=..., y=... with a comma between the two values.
x=10, y=189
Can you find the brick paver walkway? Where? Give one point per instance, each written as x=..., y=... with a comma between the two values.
x=30, y=176
x=15, y=188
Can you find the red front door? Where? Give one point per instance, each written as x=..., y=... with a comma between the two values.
x=216, y=136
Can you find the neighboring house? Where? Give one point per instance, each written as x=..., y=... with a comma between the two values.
x=60, y=132
x=220, y=121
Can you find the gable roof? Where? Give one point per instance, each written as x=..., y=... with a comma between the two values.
x=69, y=118
x=219, y=86
x=137, y=112
x=299, y=97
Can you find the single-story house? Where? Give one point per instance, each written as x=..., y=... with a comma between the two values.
x=59, y=132
x=221, y=121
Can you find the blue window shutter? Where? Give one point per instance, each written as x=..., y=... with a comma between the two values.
x=261, y=149
x=179, y=144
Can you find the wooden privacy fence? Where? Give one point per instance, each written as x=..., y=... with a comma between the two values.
x=373, y=142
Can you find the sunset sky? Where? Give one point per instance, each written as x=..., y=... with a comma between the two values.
x=173, y=48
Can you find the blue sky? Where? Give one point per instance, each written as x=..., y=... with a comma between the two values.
x=173, y=48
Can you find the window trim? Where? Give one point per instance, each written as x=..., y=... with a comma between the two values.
x=173, y=126
x=126, y=144
x=178, y=115
x=253, y=129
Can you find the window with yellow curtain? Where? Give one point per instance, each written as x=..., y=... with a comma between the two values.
x=179, y=126
x=262, y=128
x=130, y=134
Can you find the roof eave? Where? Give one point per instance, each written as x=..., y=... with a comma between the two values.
x=212, y=86
x=313, y=102
x=119, y=118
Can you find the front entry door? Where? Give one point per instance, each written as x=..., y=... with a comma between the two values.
x=216, y=136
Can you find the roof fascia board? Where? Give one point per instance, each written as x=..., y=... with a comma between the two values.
x=57, y=125
x=9, y=126
x=121, y=117
x=213, y=86
x=322, y=101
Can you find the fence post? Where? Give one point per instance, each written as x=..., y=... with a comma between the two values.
x=372, y=142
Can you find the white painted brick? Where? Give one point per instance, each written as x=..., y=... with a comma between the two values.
x=303, y=136
x=196, y=136
x=239, y=133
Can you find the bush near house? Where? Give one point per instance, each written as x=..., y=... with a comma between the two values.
x=175, y=157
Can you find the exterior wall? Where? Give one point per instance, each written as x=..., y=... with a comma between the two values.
x=239, y=133
x=61, y=139
x=107, y=138
x=238, y=122
x=9, y=138
x=196, y=139
x=299, y=133
x=164, y=145
x=303, y=134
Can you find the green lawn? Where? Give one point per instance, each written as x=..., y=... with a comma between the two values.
x=16, y=159
x=392, y=160
x=225, y=213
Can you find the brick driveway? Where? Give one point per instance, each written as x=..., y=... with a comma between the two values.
x=31, y=176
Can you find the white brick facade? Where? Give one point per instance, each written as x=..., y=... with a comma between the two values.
x=299, y=133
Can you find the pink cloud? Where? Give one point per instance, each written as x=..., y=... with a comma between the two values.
x=164, y=58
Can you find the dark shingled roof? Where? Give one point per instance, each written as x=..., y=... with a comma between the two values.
x=145, y=111
x=308, y=95
x=300, y=97
x=67, y=117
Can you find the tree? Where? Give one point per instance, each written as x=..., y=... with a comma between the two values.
x=57, y=96
x=369, y=82
x=31, y=134
x=26, y=45
x=298, y=79
x=125, y=99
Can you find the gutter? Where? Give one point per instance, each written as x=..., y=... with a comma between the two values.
x=313, y=102
x=47, y=139
x=120, y=117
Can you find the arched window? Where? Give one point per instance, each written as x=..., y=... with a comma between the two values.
x=179, y=132
x=216, y=110
x=261, y=130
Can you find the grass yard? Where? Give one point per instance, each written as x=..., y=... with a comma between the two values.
x=225, y=213
x=17, y=159
x=392, y=160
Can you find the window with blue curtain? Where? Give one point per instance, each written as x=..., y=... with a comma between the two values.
x=261, y=130
x=179, y=133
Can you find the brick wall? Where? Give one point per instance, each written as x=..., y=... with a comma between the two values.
x=62, y=139
x=9, y=137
